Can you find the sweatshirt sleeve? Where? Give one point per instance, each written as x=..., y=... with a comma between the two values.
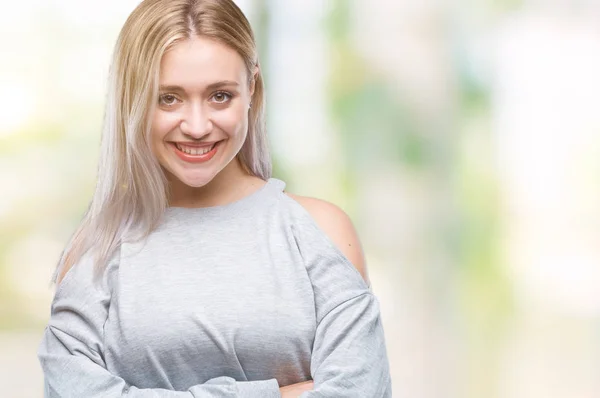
x=71, y=352
x=349, y=357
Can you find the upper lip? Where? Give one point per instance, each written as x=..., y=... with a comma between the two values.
x=196, y=144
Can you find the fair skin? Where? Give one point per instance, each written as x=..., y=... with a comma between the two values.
x=339, y=228
x=199, y=111
x=199, y=126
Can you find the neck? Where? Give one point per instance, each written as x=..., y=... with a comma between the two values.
x=229, y=185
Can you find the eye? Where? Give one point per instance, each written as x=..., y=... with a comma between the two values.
x=221, y=97
x=167, y=100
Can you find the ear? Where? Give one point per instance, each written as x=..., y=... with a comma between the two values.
x=253, y=80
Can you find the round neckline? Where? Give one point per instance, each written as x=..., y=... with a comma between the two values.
x=232, y=206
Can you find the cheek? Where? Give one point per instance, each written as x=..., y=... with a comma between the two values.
x=233, y=121
x=163, y=123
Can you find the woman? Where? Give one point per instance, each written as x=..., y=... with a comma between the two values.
x=193, y=274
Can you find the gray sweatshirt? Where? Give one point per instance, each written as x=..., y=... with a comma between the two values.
x=226, y=301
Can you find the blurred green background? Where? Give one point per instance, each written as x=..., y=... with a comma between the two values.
x=461, y=137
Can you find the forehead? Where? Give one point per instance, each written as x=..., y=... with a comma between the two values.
x=200, y=61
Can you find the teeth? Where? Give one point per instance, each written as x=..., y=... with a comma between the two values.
x=194, y=151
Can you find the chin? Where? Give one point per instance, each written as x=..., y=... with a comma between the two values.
x=191, y=178
x=195, y=181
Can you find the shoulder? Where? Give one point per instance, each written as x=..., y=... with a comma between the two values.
x=81, y=271
x=338, y=227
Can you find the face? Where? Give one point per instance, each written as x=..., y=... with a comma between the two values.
x=200, y=118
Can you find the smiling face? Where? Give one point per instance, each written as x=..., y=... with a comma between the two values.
x=200, y=119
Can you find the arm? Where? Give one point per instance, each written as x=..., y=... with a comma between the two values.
x=295, y=390
x=71, y=352
x=349, y=356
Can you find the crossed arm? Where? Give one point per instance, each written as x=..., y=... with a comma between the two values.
x=348, y=353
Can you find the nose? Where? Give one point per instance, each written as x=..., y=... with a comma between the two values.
x=196, y=121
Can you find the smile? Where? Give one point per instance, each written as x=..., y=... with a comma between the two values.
x=195, y=154
x=191, y=150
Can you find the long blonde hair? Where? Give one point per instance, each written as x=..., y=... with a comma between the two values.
x=132, y=191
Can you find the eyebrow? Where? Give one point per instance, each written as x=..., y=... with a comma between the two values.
x=211, y=86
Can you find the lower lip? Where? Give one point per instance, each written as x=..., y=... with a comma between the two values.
x=186, y=157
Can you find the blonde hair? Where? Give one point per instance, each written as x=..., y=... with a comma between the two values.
x=132, y=191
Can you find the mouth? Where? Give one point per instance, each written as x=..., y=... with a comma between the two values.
x=195, y=153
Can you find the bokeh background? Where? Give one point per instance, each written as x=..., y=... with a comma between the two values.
x=461, y=136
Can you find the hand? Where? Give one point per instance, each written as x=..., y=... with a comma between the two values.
x=294, y=390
